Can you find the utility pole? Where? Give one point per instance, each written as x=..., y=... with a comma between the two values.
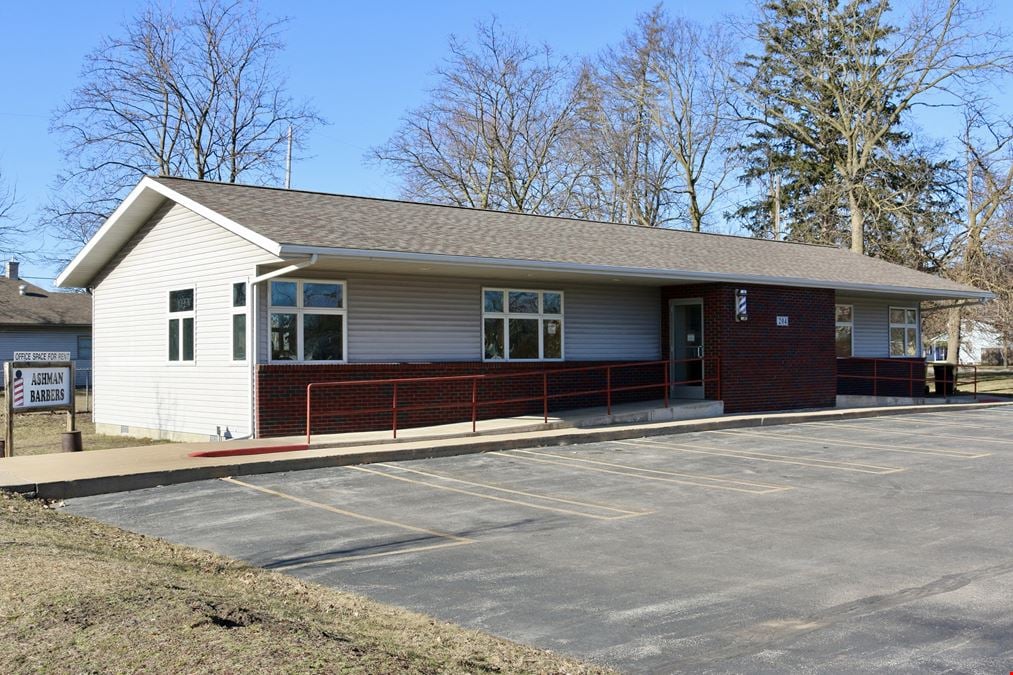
x=288, y=161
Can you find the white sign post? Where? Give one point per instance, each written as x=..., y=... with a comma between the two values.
x=36, y=385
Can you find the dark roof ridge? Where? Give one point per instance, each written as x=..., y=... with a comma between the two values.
x=482, y=210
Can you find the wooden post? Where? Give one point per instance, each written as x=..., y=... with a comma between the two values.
x=9, y=417
x=72, y=411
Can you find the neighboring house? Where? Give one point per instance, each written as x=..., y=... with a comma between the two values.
x=32, y=319
x=216, y=304
x=979, y=345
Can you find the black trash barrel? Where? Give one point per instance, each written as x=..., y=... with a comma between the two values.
x=946, y=378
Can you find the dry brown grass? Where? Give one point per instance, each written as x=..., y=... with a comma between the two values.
x=80, y=596
x=40, y=433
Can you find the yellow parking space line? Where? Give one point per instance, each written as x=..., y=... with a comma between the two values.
x=499, y=488
x=350, y=514
x=639, y=472
x=908, y=433
x=956, y=454
x=506, y=500
x=363, y=556
x=699, y=449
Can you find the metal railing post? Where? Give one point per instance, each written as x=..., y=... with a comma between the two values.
x=309, y=399
x=875, y=378
x=667, y=366
x=474, y=404
x=545, y=396
x=608, y=390
x=911, y=379
x=393, y=409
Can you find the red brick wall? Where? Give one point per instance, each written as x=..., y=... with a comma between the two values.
x=867, y=377
x=764, y=366
x=281, y=393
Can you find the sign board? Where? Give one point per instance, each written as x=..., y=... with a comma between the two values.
x=40, y=387
x=782, y=321
x=36, y=386
x=41, y=356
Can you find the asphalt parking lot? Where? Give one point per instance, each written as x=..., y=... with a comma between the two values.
x=855, y=546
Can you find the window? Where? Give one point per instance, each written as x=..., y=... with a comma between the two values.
x=521, y=325
x=84, y=348
x=239, y=321
x=845, y=330
x=903, y=331
x=181, y=319
x=307, y=320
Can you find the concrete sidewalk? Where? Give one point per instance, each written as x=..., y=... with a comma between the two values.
x=61, y=475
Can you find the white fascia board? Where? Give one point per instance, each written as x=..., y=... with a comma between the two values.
x=632, y=272
x=68, y=276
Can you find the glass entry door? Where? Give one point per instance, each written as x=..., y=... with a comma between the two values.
x=686, y=318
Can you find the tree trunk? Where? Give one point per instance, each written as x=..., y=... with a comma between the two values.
x=857, y=223
x=953, y=335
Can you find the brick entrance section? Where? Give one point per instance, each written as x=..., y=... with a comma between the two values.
x=281, y=393
x=765, y=366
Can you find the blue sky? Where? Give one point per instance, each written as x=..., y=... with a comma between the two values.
x=362, y=64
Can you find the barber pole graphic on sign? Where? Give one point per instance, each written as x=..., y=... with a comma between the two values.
x=19, y=390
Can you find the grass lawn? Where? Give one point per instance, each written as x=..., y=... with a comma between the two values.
x=80, y=596
x=993, y=381
x=39, y=433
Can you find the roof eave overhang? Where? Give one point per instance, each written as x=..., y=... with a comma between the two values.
x=630, y=272
x=128, y=217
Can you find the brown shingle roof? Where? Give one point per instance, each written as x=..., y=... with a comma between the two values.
x=41, y=308
x=336, y=221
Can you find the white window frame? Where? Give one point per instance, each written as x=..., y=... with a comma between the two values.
x=541, y=316
x=192, y=314
x=300, y=311
x=233, y=311
x=849, y=324
x=916, y=326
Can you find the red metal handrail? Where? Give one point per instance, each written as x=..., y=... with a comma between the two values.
x=474, y=403
x=910, y=379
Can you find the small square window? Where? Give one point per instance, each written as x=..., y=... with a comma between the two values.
x=523, y=302
x=181, y=301
x=322, y=295
x=552, y=303
x=493, y=301
x=283, y=293
x=239, y=294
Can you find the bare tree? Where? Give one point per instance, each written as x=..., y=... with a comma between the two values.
x=192, y=94
x=981, y=251
x=494, y=132
x=873, y=73
x=9, y=226
x=695, y=113
x=630, y=168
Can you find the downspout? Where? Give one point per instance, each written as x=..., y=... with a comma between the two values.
x=252, y=341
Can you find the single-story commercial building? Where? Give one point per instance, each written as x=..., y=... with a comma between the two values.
x=35, y=320
x=216, y=304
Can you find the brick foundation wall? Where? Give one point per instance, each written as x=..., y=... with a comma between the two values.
x=281, y=393
x=765, y=366
x=900, y=368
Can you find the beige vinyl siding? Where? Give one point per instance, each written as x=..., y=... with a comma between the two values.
x=394, y=318
x=135, y=385
x=872, y=323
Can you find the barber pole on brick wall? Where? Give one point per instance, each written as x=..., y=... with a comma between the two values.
x=34, y=383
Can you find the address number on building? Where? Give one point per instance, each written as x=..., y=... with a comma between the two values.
x=782, y=321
